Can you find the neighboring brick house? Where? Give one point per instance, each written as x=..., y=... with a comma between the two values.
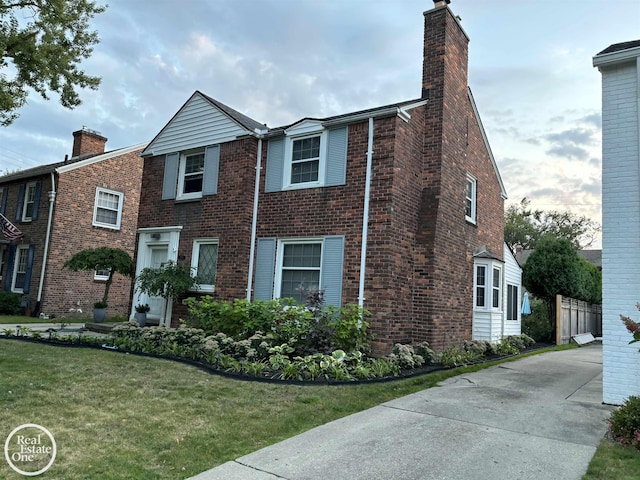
x=619, y=65
x=397, y=208
x=87, y=201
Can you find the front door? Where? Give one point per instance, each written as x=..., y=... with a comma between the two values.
x=159, y=255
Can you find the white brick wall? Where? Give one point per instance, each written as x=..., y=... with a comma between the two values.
x=620, y=228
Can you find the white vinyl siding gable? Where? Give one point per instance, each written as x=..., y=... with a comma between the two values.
x=197, y=124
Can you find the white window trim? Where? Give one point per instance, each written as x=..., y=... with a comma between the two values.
x=16, y=260
x=277, y=284
x=195, y=254
x=99, y=277
x=474, y=199
x=25, y=203
x=3, y=252
x=182, y=164
x=488, y=286
x=95, y=222
x=516, y=302
x=288, y=155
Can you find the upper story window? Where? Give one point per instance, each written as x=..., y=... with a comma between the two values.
x=471, y=199
x=29, y=202
x=191, y=175
x=3, y=200
x=305, y=160
x=308, y=155
x=204, y=261
x=107, y=210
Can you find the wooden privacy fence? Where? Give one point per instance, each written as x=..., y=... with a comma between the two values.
x=574, y=317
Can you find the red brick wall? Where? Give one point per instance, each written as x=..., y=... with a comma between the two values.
x=453, y=147
x=73, y=231
x=34, y=231
x=226, y=216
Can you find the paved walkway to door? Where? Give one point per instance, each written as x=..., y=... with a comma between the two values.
x=537, y=418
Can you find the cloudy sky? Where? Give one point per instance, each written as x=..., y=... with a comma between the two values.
x=281, y=60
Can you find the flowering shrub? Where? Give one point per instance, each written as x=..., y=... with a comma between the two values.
x=405, y=356
x=624, y=423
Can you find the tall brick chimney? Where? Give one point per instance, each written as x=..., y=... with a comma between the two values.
x=444, y=84
x=87, y=141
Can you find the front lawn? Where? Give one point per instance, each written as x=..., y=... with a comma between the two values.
x=118, y=416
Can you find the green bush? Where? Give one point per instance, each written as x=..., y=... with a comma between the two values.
x=9, y=303
x=538, y=325
x=624, y=423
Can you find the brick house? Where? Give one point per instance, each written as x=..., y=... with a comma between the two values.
x=86, y=201
x=619, y=65
x=397, y=208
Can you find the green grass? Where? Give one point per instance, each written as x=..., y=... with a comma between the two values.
x=21, y=319
x=123, y=416
x=613, y=461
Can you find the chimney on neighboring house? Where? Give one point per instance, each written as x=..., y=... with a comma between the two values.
x=87, y=141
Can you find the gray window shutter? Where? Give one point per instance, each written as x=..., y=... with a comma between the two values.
x=336, y=170
x=265, y=269
x=21, y=190
x=27, y=276
x=211, y=169
x=36, y=201
x=170, y=181
x=8, y=275
x=332, y=264
x=275, y=165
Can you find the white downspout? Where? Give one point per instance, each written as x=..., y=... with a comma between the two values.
x=254, y=222
x=365, y=215
x=52, y=200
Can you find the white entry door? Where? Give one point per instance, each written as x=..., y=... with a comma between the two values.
x=159, y=255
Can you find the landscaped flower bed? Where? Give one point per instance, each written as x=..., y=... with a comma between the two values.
x=281, y=341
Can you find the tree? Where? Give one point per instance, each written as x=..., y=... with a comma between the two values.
x=170, y=280
x=555, y=268
x=42, y=43
x=524, y=227
x=114, y=260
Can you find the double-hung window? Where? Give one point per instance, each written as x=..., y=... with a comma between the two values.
x=488, y=286
x=471, y=199
x=204, y=261
x=20, y=269
x=29, y=202
x=191, y=175
x=107, y=210
x=299, y=269
x=305, y=160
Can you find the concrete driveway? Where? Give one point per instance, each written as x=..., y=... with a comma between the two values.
x=537, y=418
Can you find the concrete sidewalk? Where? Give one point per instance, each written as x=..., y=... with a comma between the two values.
x=537, y=418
